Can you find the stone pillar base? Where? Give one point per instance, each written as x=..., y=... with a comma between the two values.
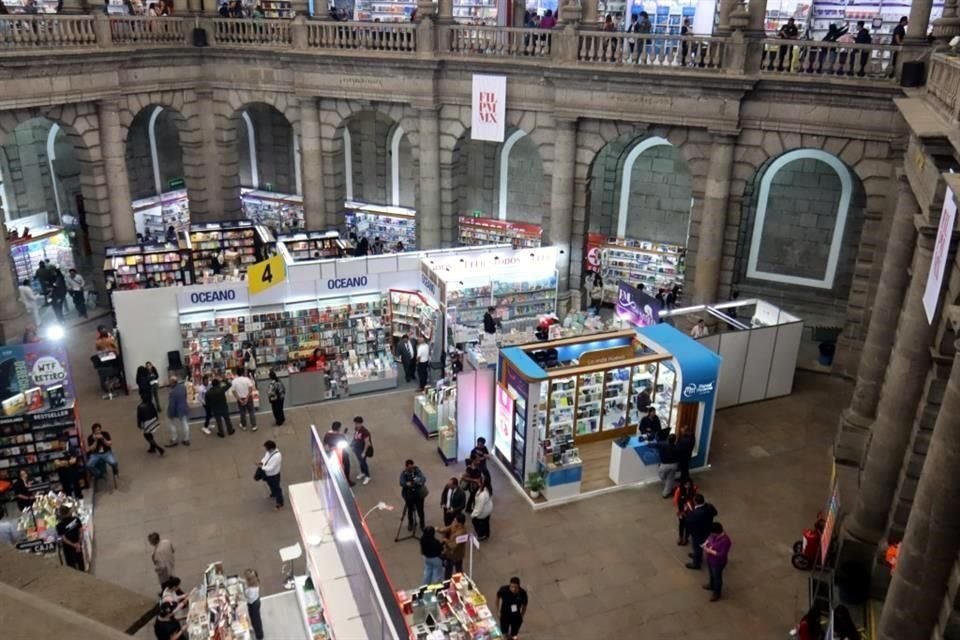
x=853, y=435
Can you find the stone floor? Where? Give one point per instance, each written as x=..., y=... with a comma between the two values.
x=601, y=568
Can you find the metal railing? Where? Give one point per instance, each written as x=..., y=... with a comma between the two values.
x=647, y=50
x=829, y=59
x=47, y=32
x=507, y=42
x=369, y=36
x=262, y=33
x=135, y=30
x=943, y=84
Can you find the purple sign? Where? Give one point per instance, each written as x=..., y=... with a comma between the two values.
x=519, y=384
x=636, y=307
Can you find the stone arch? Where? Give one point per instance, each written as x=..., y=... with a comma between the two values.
x=153, y=149
x=800, y=234
x=368, y=160
x=133, y=104
x=265, y=144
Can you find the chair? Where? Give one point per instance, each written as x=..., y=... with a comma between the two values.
x=288, y=555
x=113, y=475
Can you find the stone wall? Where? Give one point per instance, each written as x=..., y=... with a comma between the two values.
x=139, y=161
x=169, y=152
x=475, y=178
x=273, y=144
x=525, y=183
x=28, y=180
x=408, y=174
x=661, y=195
x=369, y=138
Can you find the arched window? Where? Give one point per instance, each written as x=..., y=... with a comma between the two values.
x=801, y=215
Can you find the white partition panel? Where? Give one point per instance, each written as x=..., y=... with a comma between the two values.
x=302, y=271
x=784, y=362
x=382, y=264
x=409, y=280
x=733, y=350
x=757, y=364
x=349, y=267
x=149, y=328
x=328, y=270
x=409, y=261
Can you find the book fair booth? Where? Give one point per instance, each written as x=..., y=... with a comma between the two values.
x=391, y=224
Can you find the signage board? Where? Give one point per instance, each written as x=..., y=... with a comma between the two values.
x=266, y=274
x=489, y=108
x=938, y=265
x=210, y=298
x=503, y=431
x=636, y=307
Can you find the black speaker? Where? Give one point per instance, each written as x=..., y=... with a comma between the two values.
x=199, y=37
x=913, y=74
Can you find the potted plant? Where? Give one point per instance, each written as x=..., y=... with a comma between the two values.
x=535, y=484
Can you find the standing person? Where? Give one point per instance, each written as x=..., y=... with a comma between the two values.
x=216, y=398
x=596, y=293
x=69, y=528
x=69, y=470
x=100, y=452
x=899, y=34
x=75, y=285
x=408, y=357
x=166, y=626
x=650, y=424
x=480, y=454
x=29, y=300
x=699, y=330
x=276, y=393
x=717, y=548
x=201, y=389
x=470, y=478
x=252, y=593
x=249, y=361
x=685, y=446
x=162, y=556
x=271, y=464
x=452, y=501
x=23, y=490
x=482, y=510
x=863, y=37
x=789, y=31
x=40, y=275
x=667, y=469
x=148, y=421
x=170, y=592
x=242, y=390
x=334, y=440
x=432, y=550
x=362, y=448
x=9, y=535
x=453, y=551
x=58, y=293
x=683, y=500
x=151, y=383
x=423, y=361
x=178, y=411
x=413, y=489
x=512, y=603
x=698, y=522
x=490, y=321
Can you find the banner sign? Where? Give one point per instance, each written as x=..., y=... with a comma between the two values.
x=489, y=110
x=591, y=251
x=636, y=307
x=931, y=295
x=833, y=510
x=28, y=366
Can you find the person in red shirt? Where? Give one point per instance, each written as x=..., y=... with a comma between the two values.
x=362, y=447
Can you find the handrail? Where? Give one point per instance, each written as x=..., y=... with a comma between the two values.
x=650, y=50
x=829, y=59
x=943, y=84
x=509, y=42
x=136, y=30
x=258, y=33
x=52, y=32
x=369, y=36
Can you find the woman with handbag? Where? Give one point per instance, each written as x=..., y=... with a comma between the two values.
x=268, y=470
x=276, y=394
x=453, y=551
x=362, y=448
x=148, y=422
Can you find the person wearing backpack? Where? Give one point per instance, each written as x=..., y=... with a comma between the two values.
x=276, y=393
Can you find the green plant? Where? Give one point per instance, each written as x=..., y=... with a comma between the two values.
x=535, y=482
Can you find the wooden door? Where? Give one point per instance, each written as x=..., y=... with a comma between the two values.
x=687, y=414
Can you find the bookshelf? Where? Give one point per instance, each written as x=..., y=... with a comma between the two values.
x=654, y=264
x=313, y=245
x=280, y=212
x=33, y=441
x=479, y=231
x=238, y=243
x=142, y=266
x=411, y=312
x=390, y=224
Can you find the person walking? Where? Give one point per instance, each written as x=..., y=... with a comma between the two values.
x=270, y=464
x=362, y=448
x=242, y=389
x=717, y=548
x=29, y=300
x=252, y=592
x=75, y=286
x=413, y=490
x=512, y=604
x=683, y=500
x=276, y=394
x=423, y=361
x=162, y=556
x=58, y=293
x=667, y=469
x=698, y=522
x=482, y=509
x=453, y=551
x=216, y=398
x=177, y=412
x=432, y=551
x=453, y=499
x=201, y=389
x=148, y=423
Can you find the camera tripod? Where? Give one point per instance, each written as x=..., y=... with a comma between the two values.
x=409, y=534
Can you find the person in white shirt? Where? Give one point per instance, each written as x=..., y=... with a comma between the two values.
x=482, y=508
x=423, y=361
x=271, y=463
x=75, y=287
x=252, y=592
x=29, y=300
x=242, y=390
x=699, y=330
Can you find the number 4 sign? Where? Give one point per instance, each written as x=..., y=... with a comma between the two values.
x=265, y=274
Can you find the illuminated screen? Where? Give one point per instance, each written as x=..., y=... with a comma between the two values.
x=503, y=436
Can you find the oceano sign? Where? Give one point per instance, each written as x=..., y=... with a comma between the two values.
x=209, y=299
x=347, y=283
x=203, y=297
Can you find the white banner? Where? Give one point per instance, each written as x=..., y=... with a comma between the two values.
x=931, y=295
x=489, y=112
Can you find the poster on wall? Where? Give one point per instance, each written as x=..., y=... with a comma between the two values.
x=26, y=368
x=591, y=252
x=503, y=435
x=931, y=295
x=636, y=307
x=489, y=108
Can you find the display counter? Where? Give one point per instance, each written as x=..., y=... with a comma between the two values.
x=390, y=224
x=633, y=460
x=311, y=609
x=312, y=245
x=218, y=608
x=562, y=480
x=37, y=525
x=453, y=609
x=49, y=243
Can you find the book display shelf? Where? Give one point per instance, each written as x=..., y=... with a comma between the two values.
x=653, y=264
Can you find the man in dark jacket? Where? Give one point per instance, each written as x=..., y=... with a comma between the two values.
x=452, y=501
x=651, y=423
x=698, y=522
x=407, y=351
x=669, y=463
x=685, y=447
x=217, y=405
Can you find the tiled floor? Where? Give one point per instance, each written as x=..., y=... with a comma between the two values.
x=603, y=568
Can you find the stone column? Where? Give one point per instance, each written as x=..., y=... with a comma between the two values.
x=445, y=12
x=919, y=20
x=894, y=278
x=311, y=161
x=932, y=540
x=897, y=408
x=758, y=16
x=428, y=209
x=12, y=314
x=713, y=221
x=948, y=25
x=591, y=16
x=115, y=166
x=723, y=17
x=561, y=195
x=200, y=161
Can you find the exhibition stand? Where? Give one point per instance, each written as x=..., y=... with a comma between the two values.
x=37, y=526
x=220, y=250
x=217, y=608
x=656, y=265
x=312, y=245
x=154, y=215
x=474, y=230
x=145, y=266
x=555, y=398
x=390, y=224
x=48, y=243
x=281, y=212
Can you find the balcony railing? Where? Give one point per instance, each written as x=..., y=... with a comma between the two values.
x=256, y=33
x=829, y=59
x=46, y=32
x=646, y=50
x=499, y=42
x=132, y=30
x=943, y=84
x=396, y=38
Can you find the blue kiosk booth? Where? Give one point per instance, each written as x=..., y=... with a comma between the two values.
x=553, y=398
